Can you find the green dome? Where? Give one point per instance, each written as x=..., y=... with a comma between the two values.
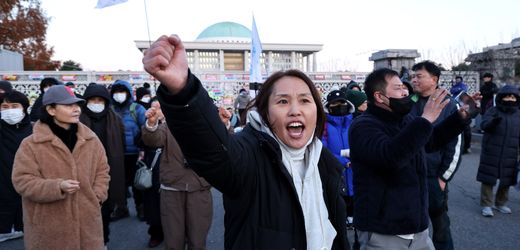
x=221, y=30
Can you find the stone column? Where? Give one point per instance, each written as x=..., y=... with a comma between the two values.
x=196, y=60
x=314, y=62
x=221, y=60
x=293, y=60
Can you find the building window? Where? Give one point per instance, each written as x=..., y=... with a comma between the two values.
x=234, y=61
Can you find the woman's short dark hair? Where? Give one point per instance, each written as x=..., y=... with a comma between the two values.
x=45, y=117
x=261, y=102
x=17, y=97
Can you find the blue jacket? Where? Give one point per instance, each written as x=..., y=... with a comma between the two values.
x=335, y=138
x=442, y=163
x=388, y=160
x=457, y=88
x=132, y=126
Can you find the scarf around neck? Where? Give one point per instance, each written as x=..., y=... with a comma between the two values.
x=319, y=230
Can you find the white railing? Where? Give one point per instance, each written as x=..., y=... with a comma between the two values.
x=223, y=87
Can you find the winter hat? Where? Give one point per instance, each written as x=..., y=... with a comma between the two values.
x=17, y=97
x=118, y=88
x=508, y=90
x=356, y=97
x=99, y=90
x=487, y=74
x=140, y=92
x=47, y=82
x=353, y=84
x=59, y=94
x=6, y=86
x=336, y=95
x=68, y=84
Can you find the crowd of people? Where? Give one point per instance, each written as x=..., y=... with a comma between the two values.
x=295, y=173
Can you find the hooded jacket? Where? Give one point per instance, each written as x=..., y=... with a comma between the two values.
x=335, y=138
x=500, y=143
x=132, y=126
x=10, y=138
x=53, y=219
x=260, y=199
x=109, y=127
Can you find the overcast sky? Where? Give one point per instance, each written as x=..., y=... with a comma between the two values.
x=350, y=31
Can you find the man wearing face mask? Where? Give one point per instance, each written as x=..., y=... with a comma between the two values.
x=500, y=148
x=107, y=125
x=335, y=138
x=143, y=97
x=133, y=118
x=387, y=149
x=441, y=164
x=45, y=84
x=14, y=127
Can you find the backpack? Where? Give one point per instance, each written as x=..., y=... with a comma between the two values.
x=133, y=112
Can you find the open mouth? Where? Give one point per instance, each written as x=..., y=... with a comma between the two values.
x=295, y=129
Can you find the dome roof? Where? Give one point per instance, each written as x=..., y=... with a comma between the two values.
x=227, y=31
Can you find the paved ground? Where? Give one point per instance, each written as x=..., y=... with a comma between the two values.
x=470, y=230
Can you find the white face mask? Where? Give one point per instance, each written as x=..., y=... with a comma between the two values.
x=96, y=107
x=119, y=97
x=45, y=89
x=146, y=99
x=12, y=116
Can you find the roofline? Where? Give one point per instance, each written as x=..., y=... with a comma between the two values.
x=240, y=46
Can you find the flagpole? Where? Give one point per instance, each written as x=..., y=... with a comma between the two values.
x=147, y=24
x=149, y=37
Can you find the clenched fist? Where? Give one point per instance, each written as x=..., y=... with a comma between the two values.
x=166, y=60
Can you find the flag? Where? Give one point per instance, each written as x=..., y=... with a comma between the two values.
x=106, y=3
x=255, y=71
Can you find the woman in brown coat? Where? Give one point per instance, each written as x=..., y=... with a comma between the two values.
x=61, y=172
x=186, y=206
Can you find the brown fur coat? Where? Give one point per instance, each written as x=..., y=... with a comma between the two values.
x=52, y=219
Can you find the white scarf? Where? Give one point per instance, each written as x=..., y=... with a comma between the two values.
x=302, y=165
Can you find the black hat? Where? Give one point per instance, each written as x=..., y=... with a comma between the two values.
x=352, y=84
x=140, y=92
x=487, y=74
x=98, y=90
x=69, y=84
x=336, y=95
x=47, y=82
x=6, y=86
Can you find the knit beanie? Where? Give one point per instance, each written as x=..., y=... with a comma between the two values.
x=140, y=92
x=356, y=97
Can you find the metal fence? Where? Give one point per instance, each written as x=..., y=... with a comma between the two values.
x=222, y=87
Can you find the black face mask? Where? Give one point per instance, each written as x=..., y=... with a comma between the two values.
x=401, y=106
x=339, y=110
x=509, y=104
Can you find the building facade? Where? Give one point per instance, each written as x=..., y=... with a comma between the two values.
x=502, y=60
x=225, y=47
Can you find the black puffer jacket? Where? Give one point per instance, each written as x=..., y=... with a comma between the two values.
x=500, y=143
x=261, y=203
x=10, y=138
